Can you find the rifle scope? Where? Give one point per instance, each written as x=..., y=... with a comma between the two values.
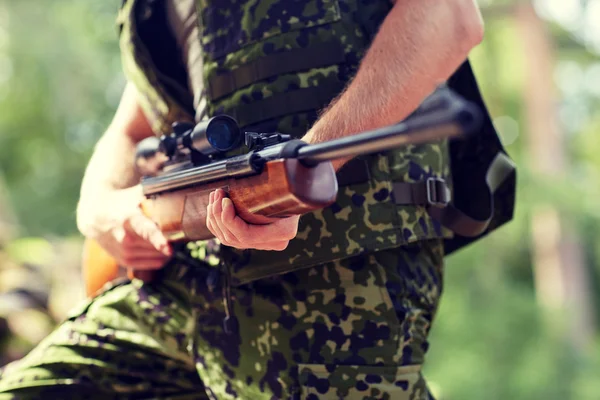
x=216, y=135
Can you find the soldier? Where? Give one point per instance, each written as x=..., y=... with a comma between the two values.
x=336, y=304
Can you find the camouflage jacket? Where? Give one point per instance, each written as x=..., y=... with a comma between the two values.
x=273, y=65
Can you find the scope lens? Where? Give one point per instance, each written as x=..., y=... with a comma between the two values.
x=223, y=133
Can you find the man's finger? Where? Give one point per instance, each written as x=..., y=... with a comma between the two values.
x=217, y=219
x=226, y=215
x=217, y=234
x=149, y=231
x=284, y=229
x=273, y=246
x=141, y=252
x=214, y=221
x=243, y=231
x=144, y=263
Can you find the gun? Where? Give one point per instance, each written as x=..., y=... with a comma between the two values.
x=275, y=177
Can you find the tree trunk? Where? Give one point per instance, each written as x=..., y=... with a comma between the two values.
x=558, y=260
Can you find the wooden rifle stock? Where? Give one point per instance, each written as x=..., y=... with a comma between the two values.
x=285, y=187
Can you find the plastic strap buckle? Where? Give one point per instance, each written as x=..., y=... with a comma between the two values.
x=438, y=194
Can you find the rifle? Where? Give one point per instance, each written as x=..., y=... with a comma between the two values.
x=276, y=177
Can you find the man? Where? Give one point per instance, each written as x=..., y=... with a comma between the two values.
x=336, y=304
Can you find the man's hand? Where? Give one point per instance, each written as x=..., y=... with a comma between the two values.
x=137, y=243
x=231, y=230
x=108, y=210
x=134, y=240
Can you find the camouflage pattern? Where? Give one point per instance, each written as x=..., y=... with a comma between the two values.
x=343, y=313
x=164, y=101
x=351, y=329
x=364, y=217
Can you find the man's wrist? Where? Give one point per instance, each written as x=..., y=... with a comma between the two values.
x=325, y=130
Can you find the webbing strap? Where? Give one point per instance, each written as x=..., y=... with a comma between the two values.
x=275, y=64
x=312, y=98
x=435, y=195
x=355, y=171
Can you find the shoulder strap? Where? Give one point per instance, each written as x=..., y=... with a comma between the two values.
x=434, y=193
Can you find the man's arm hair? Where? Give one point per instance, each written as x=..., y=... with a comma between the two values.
x=419, y=45
x=110, y=177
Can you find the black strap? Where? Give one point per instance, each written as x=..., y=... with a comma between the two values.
x=312, y=98
x=433, y=192
x=355, y=171
x=275, y=64
x=435, y=195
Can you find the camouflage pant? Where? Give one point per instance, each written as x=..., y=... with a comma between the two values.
x=352, y=329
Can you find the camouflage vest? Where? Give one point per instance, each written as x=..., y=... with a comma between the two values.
x=273, y=65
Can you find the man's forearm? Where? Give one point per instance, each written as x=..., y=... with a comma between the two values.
x=111, y=166
x=110, y=178
x=419, y=45
x=109, y=171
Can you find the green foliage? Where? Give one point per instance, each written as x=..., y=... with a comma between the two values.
x=60, y=80
x=491, y=339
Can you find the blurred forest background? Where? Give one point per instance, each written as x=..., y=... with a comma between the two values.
x=519, y=318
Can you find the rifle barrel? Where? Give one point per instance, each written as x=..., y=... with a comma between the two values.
x=456, y=119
